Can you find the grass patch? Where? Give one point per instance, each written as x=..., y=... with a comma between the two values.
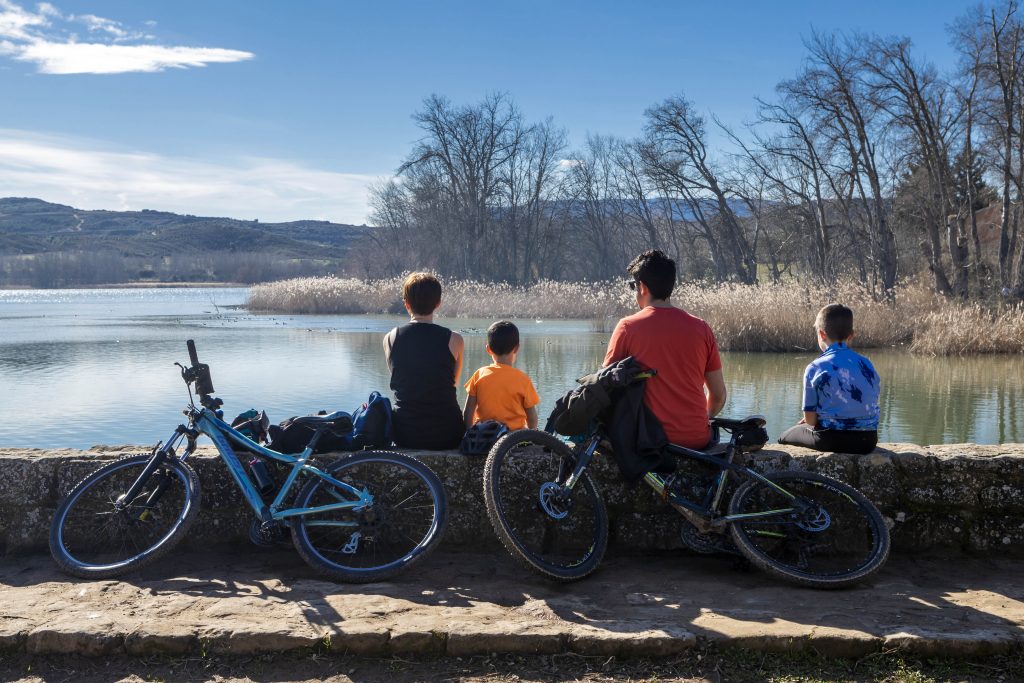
x=702, y=664
x=744, y=317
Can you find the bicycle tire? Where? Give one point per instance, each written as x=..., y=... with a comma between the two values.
x=323, y=547
x=585, y=532
x=73, y=540
x=782, y=546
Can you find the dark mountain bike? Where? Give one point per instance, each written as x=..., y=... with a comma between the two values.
x=364, y=517
x=802, y=527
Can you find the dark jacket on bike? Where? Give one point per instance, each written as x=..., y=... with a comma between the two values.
x=616, y=399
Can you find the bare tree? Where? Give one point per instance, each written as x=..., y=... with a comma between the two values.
x=466, y=148
x=790, y=163
x=917, y=105
x=594, y=186
x=676, y=157
x=832, y=91
x=992, y=43
x=392, y=214
x=531, y=187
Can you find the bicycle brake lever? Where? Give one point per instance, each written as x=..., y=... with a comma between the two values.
x=186, y=373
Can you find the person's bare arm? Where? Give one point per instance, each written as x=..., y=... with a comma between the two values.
x=467, y=414
x=531, y=417
x=389, y=339
x=715, y=382
x=457, y=345
x=810, y=418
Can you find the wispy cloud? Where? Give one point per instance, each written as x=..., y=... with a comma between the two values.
x=47, y=37
x=97, y=58
x=89, y=175
x=109, y=26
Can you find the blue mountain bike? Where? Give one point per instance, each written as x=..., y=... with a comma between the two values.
x=364, y=517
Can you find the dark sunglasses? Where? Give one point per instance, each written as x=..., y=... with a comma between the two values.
x=631, y=284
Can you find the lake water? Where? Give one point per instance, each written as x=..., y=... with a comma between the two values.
x=85, y=367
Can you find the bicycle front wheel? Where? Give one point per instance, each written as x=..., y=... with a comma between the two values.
x=403, y=525
x=96, y=534
x=552, y=529
x=834, y=537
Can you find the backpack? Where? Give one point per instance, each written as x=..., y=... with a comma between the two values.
x=371, y=423
x=289, y=437
x=253, y=424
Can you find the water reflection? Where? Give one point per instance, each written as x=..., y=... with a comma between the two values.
x=924, y=400
x=78, y=369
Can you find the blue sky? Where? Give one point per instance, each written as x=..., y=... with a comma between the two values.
x=289, y=110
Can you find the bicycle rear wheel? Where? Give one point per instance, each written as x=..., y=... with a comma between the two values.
x=835, y=537
x=561, y=533
x=97, y=535
x=403, y=525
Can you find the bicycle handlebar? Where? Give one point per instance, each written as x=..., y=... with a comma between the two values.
x=199, y=372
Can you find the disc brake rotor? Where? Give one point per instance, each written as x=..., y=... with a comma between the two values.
x=815, y=518
x=552, y=500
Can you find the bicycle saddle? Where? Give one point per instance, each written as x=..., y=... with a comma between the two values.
x=747, y=422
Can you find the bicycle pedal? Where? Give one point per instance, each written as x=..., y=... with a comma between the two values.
x=706, y=543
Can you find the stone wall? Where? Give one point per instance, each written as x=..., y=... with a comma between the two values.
x=955, y=499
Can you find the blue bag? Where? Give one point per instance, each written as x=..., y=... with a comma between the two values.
x=371, y=423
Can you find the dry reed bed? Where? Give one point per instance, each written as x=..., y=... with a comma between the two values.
x=745, y=318
x=463, y=299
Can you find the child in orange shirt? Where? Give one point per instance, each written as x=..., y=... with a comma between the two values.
x=499, y=391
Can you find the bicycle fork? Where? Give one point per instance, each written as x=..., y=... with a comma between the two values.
x=582, y=462
x=153, y=470
x=553, y=496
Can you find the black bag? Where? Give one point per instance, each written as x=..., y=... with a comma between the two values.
x=291, y=437
x=751, y=440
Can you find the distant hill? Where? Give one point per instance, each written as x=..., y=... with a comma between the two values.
x=33, y=226
x=52, y=245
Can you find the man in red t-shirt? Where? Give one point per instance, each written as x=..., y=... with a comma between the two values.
x=681, y=347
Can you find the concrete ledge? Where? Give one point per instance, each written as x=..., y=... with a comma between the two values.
x=960, y=498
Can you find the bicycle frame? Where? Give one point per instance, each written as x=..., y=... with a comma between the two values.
x=707, y=512
x=221, y=433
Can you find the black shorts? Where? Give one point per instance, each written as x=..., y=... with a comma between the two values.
x=857, y=441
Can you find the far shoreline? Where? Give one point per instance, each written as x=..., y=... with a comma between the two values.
x=134, y=285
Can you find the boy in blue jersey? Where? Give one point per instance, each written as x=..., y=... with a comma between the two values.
x=840, y=392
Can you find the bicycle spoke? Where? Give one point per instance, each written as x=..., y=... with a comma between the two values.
x=95, y=532
x=827, y=535
x=401, y=519
x=555, y=529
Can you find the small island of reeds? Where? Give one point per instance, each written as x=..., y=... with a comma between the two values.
x=776, y=317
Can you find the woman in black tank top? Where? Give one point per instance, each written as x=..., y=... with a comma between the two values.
x=424, y=365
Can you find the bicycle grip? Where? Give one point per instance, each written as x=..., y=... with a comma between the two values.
x=192, y=352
